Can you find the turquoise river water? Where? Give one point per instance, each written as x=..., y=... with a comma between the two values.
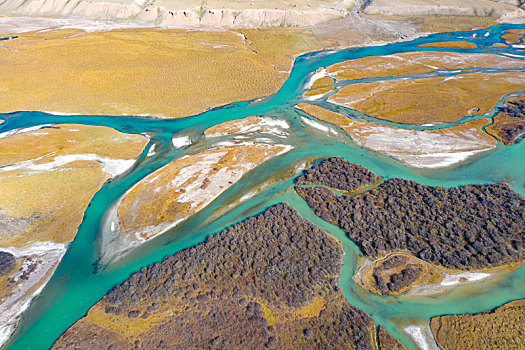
x=81, y=279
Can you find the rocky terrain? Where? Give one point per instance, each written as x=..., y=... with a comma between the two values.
x=245, y=14
x=509, y=123
x=217, y=13
x=464, y=228
x=268, y=282
x=441, y=8
x=502, y=328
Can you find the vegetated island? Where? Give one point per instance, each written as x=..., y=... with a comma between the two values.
x=181, y=188
x=474, y=227
x=270, y=282
x=509, y=123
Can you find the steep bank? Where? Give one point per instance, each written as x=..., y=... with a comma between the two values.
x=188, y=13
x=479, y=8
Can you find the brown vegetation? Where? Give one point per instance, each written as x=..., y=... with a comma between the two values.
x=398, y=273
x=469, y=227
x=387, y=342
x=509, y=123
x=7, y=263
x=268, y=282
x=340, y=174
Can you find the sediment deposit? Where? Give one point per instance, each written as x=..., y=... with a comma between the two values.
x=418, y=62
x=398, y=273
x=419, y=148
x=186, y=185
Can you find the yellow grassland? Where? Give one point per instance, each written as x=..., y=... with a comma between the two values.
x=48, y=205
x=69, y=139
x=53, y=201
x=446, y=100
x=451, y=45
x=416, y=62
x=168, y=73
x=319, y=91
x=516, y=31
x=311, y=310
x=512, y=38
x=322, y=82
x=142, y=207
x=501, y=328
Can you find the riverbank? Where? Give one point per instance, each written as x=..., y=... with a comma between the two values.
x=49, y=175
x=122, y=68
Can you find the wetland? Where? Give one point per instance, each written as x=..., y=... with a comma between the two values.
x=273, y=174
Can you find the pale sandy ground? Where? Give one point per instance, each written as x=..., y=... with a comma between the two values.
x=423, y=149
x=514, y=17
x=16, y=299
x=246, y=14
x=48, y=176
x=422, y=336
x=441, y=7
x=185, y=186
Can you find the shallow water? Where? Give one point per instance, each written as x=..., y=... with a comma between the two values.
x=81, y=280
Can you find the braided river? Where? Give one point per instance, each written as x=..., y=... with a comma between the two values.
x=82, y=278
